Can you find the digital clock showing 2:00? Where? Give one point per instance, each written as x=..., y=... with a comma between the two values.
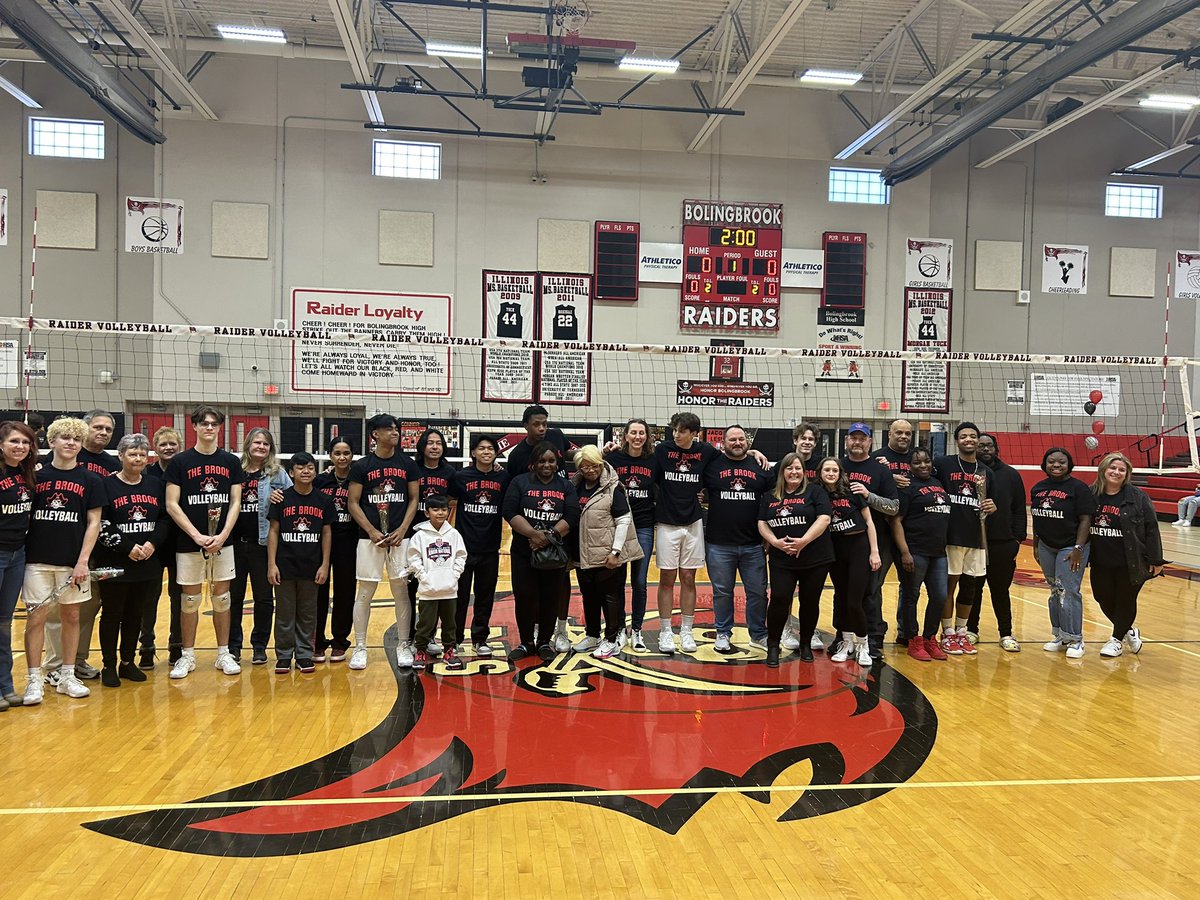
x=733, y=237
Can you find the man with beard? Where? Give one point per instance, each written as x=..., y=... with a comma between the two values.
x=896, y=455
x=1006, y=529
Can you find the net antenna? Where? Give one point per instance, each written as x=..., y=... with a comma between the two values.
x=27, y=388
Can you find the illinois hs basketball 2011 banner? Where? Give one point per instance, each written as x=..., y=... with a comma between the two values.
x=565, y=376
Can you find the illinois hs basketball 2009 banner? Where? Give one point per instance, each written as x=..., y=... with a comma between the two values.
x=509, y=312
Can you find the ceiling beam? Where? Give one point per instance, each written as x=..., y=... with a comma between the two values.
x=344, y=19
x=795, y=9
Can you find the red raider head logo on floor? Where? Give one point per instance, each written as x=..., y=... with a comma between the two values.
x=576, y=729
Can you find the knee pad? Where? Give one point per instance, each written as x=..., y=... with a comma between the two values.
x=221, y=602
x=190, y=603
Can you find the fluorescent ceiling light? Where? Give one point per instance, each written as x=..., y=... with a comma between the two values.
x=1159, y=157
x=1169, y=101
x=251, y=33
x=6, y=85
x=646, y=64
x=830, y=76
x=458, y=51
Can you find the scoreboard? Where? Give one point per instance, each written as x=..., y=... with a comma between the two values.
x=732, y=255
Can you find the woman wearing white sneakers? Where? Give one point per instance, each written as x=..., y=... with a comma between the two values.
x=1126, y=550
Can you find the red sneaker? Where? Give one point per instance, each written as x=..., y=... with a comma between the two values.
x=916, y=650
x=950, y=644
x=452, y=660
x=967, y=647
x=934, y=649
x=420, y=659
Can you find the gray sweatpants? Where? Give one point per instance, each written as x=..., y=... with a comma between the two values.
x=295, y=620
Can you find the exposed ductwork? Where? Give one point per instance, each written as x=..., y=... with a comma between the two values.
x=1138, y=21
x=58, y=47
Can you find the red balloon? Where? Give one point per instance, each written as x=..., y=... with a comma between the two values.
x=1098, y=427
x=1096, y=396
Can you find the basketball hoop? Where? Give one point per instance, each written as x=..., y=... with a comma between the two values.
x=572, y=17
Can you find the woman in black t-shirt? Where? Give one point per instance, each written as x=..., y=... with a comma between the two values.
x=855, y=558
x=334, y=483
x=634, y=465
x=793, y=519
x=920, y=532
x=436, y=477
x=17, y=442
x=1126, y=550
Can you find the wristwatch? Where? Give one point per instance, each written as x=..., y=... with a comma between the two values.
x=614, y=552
x=1078, y=547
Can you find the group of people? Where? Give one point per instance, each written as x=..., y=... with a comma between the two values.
x=83, y=531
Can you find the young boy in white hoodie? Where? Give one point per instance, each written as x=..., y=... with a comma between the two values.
x=436, y=558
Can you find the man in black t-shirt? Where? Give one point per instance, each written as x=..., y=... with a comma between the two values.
x=896, y=454
x=204, y=498
x=479, y=490
x=733, y=482
x=167, y=444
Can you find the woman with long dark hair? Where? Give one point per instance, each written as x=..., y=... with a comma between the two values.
x=1126, y=550
x=855, y=558
x=17, y=442
x=634, y=465
x=334, y=483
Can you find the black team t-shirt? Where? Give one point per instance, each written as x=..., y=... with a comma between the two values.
x=205, y=483
x=384, y=483
x=791, y=516
x=878, y=479
x=247, y=523
x=301, y=518
x=679, y=475
x=542, y=506
x=16, y=502
x=477, y=516
x=327, y=484
x=61, y=500
x=1107, y=538
x=432, y=482
x=133, y=514
x=734, y=488
x=926, y=511
x=101, y=464
x=1056, y=507
x=899, y=463
x=636, y=474
x=962, y=489
x=848, y=515
x=520, y=456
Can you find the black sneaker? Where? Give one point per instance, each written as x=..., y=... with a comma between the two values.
x=546, y=652
x=307, y=666
x=130, y=672
x=773, y=656
x=518, y=652
x=260, y=656
x=283, y=666
x=805, y=652
x=146, y=659
x=109, y=677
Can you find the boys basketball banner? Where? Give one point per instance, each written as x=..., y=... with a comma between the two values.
x=3, y=216
x=925, y=384
x=1064, y=269
x=928, y=262
x=153, y=225
x=1187, y=275
x=564, y=376
x=509, y=311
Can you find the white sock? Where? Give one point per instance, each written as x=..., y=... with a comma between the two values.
x=560, y=626
x=685, y=623
x=189, y=652
x=664, y=625
x=948, y=626
x=960, y=623
x=35, y=671
x=222, y=649
x=67, y=672
x=849, y=636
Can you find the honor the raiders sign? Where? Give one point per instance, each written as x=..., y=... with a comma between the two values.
x=725, y=393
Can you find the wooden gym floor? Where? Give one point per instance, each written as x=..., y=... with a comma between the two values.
x=1008, y=775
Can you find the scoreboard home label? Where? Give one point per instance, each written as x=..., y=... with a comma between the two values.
x=732, y=254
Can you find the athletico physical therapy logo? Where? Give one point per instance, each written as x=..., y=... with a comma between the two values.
x=577, y=729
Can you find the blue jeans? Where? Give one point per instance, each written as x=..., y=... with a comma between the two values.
x=12, y=576
x=1066, y=600
x=930, y=571
x=638, y=573
x=723, y=563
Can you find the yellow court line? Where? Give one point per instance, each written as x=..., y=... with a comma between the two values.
x=577, y=794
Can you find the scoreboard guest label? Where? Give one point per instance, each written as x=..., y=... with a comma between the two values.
x=732, y=256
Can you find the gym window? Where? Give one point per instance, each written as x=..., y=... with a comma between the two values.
x=407, y=159
x=71, y=138
x=1133, y=201
x=857, y=186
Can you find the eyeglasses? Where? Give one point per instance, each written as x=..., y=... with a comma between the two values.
x=208, y=423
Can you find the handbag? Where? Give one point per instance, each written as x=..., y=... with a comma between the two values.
x=552, y=556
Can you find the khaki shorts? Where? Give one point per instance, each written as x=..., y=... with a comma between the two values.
x=190, y=567
x=42, y=580
x=679, y=546
x=966, y=561
x=371, y=559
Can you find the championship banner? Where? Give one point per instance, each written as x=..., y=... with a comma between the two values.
x=509, y=311
x=153, y=225
x=329, y=365
x=925, y=385
x=803, y=269
x=565, y=376
x=1187, y=274
x=1064, y=268
x=3, y=217
x=927, y=263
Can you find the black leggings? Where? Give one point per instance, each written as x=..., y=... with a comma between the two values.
x=1113, y=590
x=483, y=569
x=784, y=582
x=121, y=616
x=536, y=595
x=342, y=554
x=852, y=579
x=603, y=590
x=1001, y=566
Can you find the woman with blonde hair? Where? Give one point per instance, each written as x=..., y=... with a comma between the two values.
x=1126, y=550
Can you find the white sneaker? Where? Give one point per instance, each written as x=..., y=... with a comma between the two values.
x=789, y=640
x=1134, y=640
x=842, y=652
x=687, y=642
x=762, y=645
x=606, y=650
x=33, y=691
x=1009, y=643
x=435, y=647
x=484, y=649
x=1054, y=646
x=863, y=655
x=814, y=644
x=638, y=642
x=562, y=643
x=1075, y=650
x=1112, y=648
x=1179, y=522
x=721, y=645
x=586, y=643
x=72, y=687
x=184, y=666
x=404, y=655
x=666, y=640
x=227, y=664
x=358, y=659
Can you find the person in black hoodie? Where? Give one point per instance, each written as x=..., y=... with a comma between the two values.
x=1006, y=529
x=1126, y=550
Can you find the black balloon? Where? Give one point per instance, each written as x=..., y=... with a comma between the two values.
x=1089, y=407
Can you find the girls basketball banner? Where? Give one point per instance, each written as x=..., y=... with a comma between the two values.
x=153, y=225
x=928, y=262
x=509, y=311
x=565, y=376
x=1187, y=275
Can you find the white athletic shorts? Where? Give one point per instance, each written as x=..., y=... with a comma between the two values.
x=371, y=559
x=41, y=581
x=190, y=567
x=679, y=546
x=966, y=561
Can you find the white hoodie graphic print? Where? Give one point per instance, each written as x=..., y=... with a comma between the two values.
x=437, y=558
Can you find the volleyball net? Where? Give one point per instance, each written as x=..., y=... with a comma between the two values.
x=1091, y=405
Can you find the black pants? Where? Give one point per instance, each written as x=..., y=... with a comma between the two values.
x=784, y=582
x=1001, y=566
x=150, y=608
x=876, y=627
x=342, y=555
x=250, y=561
x=603, y=590
x=852, y=580
x=1113, y=590
x=482, y=569
x=536, y=595
x=121, y=610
